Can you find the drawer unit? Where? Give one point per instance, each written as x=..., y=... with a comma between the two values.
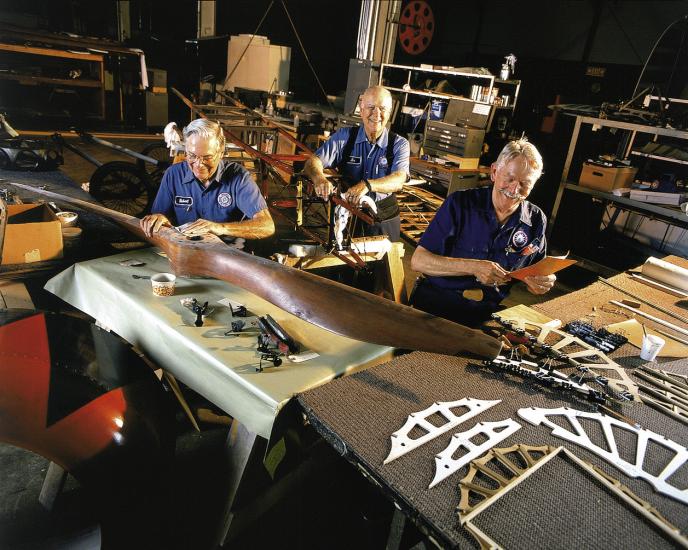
x=457, y=140
x=450, y=178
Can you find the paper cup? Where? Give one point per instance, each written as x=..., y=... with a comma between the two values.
x=652, y=345
x=67, y=219
x=163, y=284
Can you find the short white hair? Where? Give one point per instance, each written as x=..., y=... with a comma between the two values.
x=377, y=89
x=206, y=129
x=521, y=148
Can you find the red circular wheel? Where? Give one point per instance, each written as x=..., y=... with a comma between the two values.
x=416, y=27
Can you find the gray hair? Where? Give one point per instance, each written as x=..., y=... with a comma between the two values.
x=206, y=129
x=521, y=148
x=377, y=89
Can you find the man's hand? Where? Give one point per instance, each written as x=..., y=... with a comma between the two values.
x=201, y=227
x=489, y=273
x=153, y=222
x=355, y=192
x=539, y=284
x=323, y=188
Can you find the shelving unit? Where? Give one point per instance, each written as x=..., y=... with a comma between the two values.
x=410, y=80
x=628, y=135
x=35, y=66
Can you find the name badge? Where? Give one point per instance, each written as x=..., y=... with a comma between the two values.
x=354, y=160
x=183, y=201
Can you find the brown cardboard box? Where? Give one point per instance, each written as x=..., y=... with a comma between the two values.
x=605, y=178
x=33, y=234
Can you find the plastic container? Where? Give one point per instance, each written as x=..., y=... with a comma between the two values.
x=163, y=284
x=438, y=107
x=652, y=345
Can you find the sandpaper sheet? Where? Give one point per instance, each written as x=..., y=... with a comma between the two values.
x=633, y=330
x=547, y=266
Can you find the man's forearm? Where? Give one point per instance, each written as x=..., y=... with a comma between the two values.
x=314, y=167
x=428, y=263
x=259, y=227
x=389, y=184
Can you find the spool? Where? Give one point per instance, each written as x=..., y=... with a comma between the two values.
x=667, y=273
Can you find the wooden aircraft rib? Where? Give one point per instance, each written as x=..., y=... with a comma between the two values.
x=330, y=305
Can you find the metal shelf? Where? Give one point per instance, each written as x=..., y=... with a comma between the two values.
x=658, y=157
x=665, y=214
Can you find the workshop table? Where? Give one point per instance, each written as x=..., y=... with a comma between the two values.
x=221, y=368
x=563, y=507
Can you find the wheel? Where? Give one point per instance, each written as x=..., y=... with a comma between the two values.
x=158, y=151
x=85, y=400
x=122, y=186
x=416, y=27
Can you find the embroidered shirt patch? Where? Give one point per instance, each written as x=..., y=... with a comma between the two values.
x=224, y=199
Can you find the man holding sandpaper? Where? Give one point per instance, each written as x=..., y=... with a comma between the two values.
x=478, y=237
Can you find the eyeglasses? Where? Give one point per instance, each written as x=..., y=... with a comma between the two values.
x=384, y=109
x=205, y=159
x=524, y=187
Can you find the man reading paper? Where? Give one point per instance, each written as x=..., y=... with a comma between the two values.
x=480, y=235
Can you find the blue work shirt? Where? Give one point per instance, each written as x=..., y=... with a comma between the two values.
x=232, y=191
x=367, y=160
x=466, y=226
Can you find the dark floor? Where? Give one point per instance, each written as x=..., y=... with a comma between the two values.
x=330, y=505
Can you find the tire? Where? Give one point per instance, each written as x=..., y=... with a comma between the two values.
x=122, y=186
x=159, y=151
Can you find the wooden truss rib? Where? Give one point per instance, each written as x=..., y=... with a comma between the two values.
x=402, y=443
x=495, y=432
x=417, y=208
x=623, y=493
x=660, y=482
x=469, y=487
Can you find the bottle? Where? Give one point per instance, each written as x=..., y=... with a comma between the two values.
x=296, y=121
x=270, y=109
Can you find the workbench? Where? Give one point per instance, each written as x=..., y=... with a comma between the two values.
x=562, y=508
x=220, y=367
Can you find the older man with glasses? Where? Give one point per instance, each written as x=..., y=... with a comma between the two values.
x=478, y=236
x=374, y=160
x=207, y=193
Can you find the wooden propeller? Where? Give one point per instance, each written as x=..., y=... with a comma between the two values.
x=327, y=304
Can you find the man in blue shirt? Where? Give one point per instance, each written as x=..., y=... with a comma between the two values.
x=478, y=236
x=207, y=192
x=373, y=160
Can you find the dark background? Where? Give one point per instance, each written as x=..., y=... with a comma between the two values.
x=555, y=42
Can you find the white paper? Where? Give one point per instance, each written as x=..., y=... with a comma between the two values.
x=481, y=109
x=131, y=263
x=303, y=356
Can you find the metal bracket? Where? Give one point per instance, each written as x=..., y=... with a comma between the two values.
x=548, y=377
x=402, y=443
x=495, y=432
x=587, y=358
x=538, y=416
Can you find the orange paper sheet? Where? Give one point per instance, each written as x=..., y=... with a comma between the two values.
x=546, y=266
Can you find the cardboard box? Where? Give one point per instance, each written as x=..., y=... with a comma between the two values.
x=33, y=234
x=604, y=178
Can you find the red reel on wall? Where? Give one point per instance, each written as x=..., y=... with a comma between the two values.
x=416, y=27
